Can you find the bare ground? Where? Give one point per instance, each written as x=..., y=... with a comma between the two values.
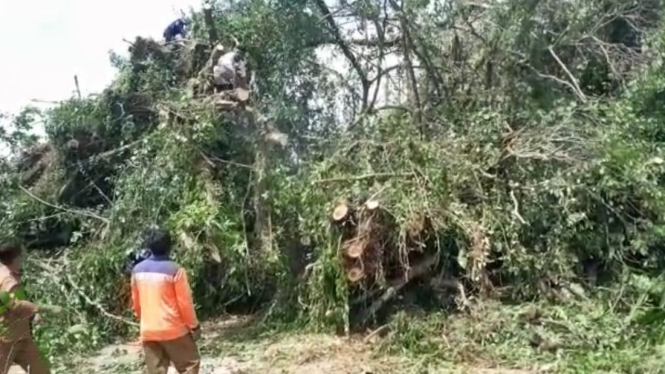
x=227, y=349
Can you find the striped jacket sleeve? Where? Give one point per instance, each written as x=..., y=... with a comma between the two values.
x=183, y=294
x=136, y=302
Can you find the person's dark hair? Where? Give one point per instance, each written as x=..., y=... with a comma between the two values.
x=158, y=242
x=9, y=251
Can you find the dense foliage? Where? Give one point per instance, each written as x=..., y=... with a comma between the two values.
x=518, y=143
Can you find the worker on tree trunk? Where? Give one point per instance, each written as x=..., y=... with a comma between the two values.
x=16, y=343
x=162, y=300
x=177, y=27
x=230, y=71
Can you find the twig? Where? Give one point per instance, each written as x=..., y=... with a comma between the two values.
x=233, y=163
x=363, y=177
x=79, y=212
x=515, y=208
x=78, y=89
x=92, y=182
x=115, y=151
x=577, y=90
x=376, y=332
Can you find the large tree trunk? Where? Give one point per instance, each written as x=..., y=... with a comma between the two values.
x=213, y=37
x=263, y=223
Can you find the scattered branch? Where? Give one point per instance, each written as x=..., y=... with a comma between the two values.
x=365, y=176
x=72, y=211
x=53, y=271
x=574, y=84
x=516, y=211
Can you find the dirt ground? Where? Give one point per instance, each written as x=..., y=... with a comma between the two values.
x=227, y=350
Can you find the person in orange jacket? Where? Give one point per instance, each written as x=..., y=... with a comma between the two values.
x=162, y=300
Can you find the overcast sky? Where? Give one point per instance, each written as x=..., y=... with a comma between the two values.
x=44, y=43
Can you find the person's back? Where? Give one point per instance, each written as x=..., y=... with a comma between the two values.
x=176, y=28
x=162, y=301
x=230, y=70
x=163, y=294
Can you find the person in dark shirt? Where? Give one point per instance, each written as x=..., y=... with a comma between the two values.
x=176, y=28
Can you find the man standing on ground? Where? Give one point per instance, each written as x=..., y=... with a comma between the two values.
x=16, y=343
x=162, y=300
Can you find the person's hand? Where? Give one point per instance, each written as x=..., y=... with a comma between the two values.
x=196, y=333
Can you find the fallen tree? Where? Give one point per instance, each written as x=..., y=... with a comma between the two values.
x=465, y=161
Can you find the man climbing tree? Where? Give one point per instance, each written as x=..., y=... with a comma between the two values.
x=16, y=343
x=177, y=27
x=162, y=300
x=230, y=72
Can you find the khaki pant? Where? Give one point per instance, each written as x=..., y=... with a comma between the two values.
x=25, y=353
x=183, y=352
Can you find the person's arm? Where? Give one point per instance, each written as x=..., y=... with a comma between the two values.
x=19, y=305
x=183, y=294
x=136, y=304
x=15, y=303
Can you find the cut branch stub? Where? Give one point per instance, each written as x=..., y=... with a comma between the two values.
x=242, y=94
x=355, y=274
x=355, y=249
x=341, y=212
x=372, y=204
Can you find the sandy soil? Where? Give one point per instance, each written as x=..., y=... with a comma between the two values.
x=225, y=350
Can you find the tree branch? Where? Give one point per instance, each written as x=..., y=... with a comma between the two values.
x=321, y=4
x=78, y=212
x=573, y=81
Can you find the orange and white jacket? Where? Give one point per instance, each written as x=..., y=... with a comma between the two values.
x=162, y=299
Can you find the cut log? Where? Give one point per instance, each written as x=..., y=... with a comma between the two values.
x=355, y=249
x=355, y=275
x=242, y=94
x=372, y=204
x=306, y=241
x=340, y=212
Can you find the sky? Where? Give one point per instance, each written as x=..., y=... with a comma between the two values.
x=45, y=43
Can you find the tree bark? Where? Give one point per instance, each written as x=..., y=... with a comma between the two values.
x=213, y=37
